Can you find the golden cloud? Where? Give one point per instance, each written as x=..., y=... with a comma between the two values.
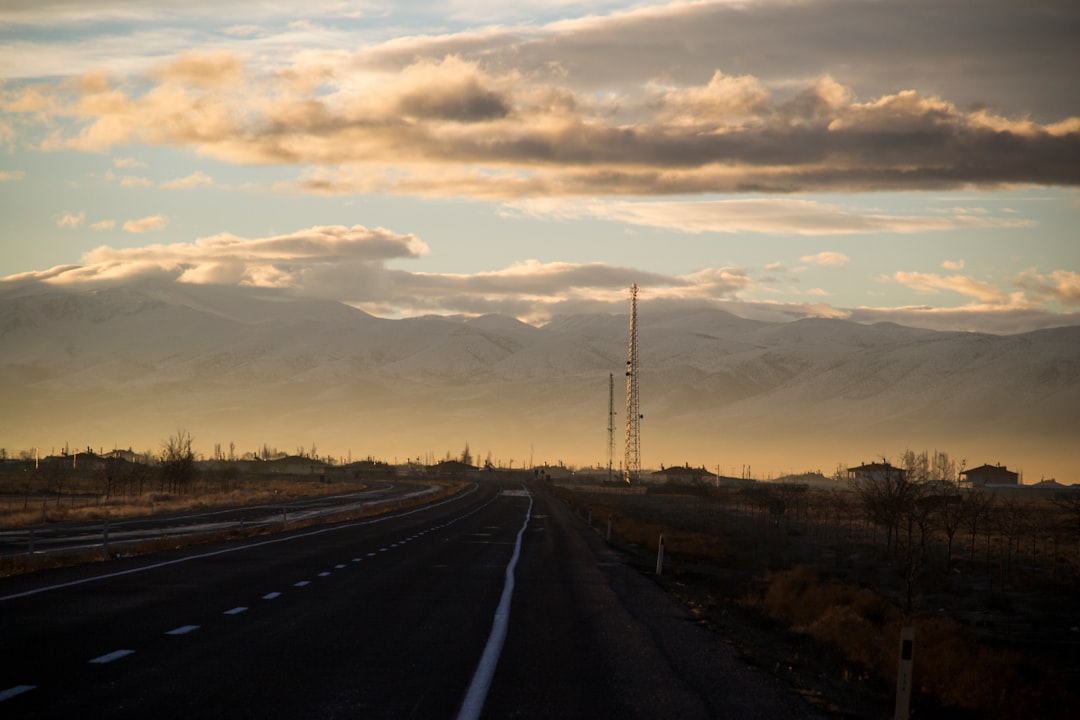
x=450, y=126
x=146, y=224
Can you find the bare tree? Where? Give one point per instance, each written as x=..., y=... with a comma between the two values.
x=887, y=500
x=1068, y=504
x=177, y=462
x=979, y=505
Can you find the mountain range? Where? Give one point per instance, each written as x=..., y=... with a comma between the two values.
x=128, y=365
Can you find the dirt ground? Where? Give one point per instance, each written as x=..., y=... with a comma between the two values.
x=720, y=566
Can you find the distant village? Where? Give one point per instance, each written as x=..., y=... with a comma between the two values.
x=995, y=478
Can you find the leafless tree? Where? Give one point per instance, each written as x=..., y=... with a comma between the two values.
x=1068, y=504
x=887, y=500
x=978, y=506
x=177, y=462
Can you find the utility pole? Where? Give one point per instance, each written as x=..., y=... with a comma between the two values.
x=632, y=468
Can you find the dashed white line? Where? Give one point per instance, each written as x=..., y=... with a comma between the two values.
x=302, y=583
x=324, y=574
x=15, y=691
x=357, y=559
x=182, y=630
x=109, y=657
x=339, y=567
x=371, y=554
x=236, y=610
x=271, y=596
x=239, y=548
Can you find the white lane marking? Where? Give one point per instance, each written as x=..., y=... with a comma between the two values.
x=182, y=630
x=302, y=583
x=109, y=657
x=236, y=610
x=324, y=574
x=14, y=691
x=357, y=559
x=383, y=549
x=473, y=704
x=238, y=548
x=371, y=554
x=339, y=567
x=271, y=596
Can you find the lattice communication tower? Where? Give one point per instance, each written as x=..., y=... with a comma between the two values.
x=632, y=466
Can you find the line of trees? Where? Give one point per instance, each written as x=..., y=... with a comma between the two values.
x=922, y=521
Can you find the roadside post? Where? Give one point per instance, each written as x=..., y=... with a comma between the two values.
x=660, y=556
x=903, y=675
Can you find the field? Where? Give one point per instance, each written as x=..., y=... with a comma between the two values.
x=809, y=586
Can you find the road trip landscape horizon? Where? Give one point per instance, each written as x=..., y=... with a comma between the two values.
x=914, y=163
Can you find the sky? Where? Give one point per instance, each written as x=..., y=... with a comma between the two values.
x=915, y=162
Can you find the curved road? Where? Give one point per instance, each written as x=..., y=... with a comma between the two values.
x=497, y=603
x=67, y=537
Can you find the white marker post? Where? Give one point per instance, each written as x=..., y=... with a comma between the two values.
x=903, y=675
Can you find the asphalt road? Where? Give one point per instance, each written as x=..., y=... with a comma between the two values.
x=497, y=604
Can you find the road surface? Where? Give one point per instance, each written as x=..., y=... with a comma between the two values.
x=498, y=603
x=73, y=536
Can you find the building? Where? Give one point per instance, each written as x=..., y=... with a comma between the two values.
x=875, y=471
x=991, y=475
x=685, y=475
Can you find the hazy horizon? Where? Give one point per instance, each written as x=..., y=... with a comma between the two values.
x=827, y=159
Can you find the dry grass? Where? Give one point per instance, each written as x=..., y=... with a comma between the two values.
x=273, y=491
x=79, y=506
x=847, y=631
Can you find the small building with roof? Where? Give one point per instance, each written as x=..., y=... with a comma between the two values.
x=990, y=475
x=875, y=471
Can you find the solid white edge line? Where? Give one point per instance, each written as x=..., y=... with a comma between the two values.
x=473, y=704
x=15, y=691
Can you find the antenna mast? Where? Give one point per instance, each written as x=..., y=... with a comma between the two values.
x=610, y=423
x=632, y=467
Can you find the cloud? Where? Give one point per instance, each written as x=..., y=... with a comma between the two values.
x=952, y=264
x=146, y=224
x=125, y=163
x=455, y=125
x=1060, y=286
x=826, y=259
x=195, y=179
x=10, y=175
x=760, y=215
x=294, y=260
x=103, y=225
x=130, y=181
x=71, y=220
x=983, y=292
x=351, y=264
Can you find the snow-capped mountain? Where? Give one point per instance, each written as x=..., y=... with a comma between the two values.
x=128, y=365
